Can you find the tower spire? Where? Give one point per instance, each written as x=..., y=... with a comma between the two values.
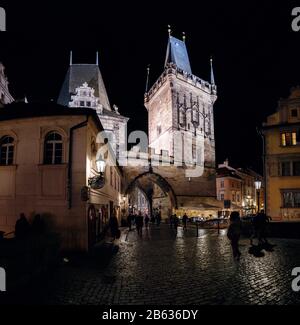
x=147, y=80
x=71, y=57
x=183, y=36
x=97, y=58
x=212, y=77
x=169, y=30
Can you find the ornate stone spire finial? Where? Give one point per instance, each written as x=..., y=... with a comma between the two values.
x=97, y=58
x=212, y=77
x=183, y=36
x=71, y=57
x=169, y=30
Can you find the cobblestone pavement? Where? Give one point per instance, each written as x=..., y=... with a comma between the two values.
x=161, y=268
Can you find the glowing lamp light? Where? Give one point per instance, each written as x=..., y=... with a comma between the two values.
x=257, y=184
x=100, y=164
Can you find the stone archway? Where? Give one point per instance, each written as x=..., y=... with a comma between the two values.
x=159, y=192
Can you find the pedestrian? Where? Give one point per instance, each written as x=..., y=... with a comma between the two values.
x=171, y=220
x=152, y=219
x=234, y=233
x=139, y=222
x=147, y=219
x=175, y=222
x=184, y=221
x=38, y=225
x=158, y=218
x=22, y=227
x=129, y=221
x=262, y=222
x=114, y=227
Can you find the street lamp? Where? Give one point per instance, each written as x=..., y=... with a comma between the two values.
x=257, y=184
x=98, y=181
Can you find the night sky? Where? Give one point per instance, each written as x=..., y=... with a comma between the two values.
x=256, y=56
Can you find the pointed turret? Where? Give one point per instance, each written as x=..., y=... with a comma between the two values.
x=177, y=53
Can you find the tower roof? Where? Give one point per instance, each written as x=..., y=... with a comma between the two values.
x=77, y=75
x=177, y=54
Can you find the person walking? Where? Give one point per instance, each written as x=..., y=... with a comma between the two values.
x=184, y=221
x=158, y=218
x=139, y=222
x=234, y=233
x=147, y=219
x=22, y=227
x=129, y=221
x=114, y=227
x=262, y=222
x=175, y=222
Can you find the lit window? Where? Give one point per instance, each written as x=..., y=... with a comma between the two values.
x=6, y=150
x=294, y=138
x=283, y=139
x=53, y=148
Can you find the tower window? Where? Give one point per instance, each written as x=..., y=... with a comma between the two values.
x=88, y=104
x=53, y=149
x=81, y=103
x=6, y=150
x=159, y=129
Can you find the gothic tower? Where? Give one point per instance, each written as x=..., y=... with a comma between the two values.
x=180, y=110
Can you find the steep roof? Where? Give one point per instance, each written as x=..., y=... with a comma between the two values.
x=226, y=172
x=78, y=74
x=22, y=110
x=177, y=54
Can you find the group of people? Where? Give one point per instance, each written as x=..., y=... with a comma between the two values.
x=140, y=220
x=23, y=228
x=174, y=221
x=259, y=226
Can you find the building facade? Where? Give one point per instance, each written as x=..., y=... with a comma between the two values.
x=282, y=159
x=236, y=188
x=48, y=155
x=5, y=96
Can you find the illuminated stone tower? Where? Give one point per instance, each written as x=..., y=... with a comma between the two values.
x=180, y=109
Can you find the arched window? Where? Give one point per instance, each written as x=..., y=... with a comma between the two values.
x=53, y=148
x=6, y=150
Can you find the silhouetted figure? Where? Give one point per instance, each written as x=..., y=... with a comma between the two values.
x=171, y=220
x=129, y=220
x=139, y=222
x=147, y=219
x=38, y=225
x=175, y=222
x=184, y=221
x=152, y=219
x=262, y=221
x=114, y=226
x=22, y=227
x=234, y=233
x=158, y=218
